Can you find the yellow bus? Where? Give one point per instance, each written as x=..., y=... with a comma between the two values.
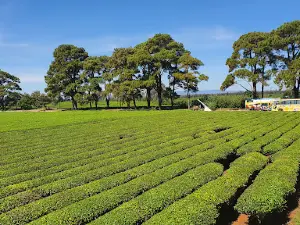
x=259, y=104
x=286, y=105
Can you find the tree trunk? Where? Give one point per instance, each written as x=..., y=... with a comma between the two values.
x=74, y=103
x=188, y=95
x=90, y=101
x=148, y=97
x=128, y=104
x=296, y=91
x=159, y=90
x=96, y=104
x=107, y=102
x=263, y=82
x=134, y=103
x=254, y=90
x=172, y=96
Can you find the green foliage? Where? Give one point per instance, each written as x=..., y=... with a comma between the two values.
x=63, y=76
x=9, y=87
x=165, y=52
x=26, y=102
x=251, y=55
x=284, y=141
x=285, y=39
x=95, y=69
x=201, y=207
x=289, y=78
x=188, y=76
x=271, y=187
x=126, y=87
x=269, y=191
x=35, y=100
x=153, y=200
x=222, y=101
x=272, y=137
x=40, y=99
x=39, y=178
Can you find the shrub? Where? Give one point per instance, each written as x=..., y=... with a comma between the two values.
x=146, y=205
x=201, y=207
x=269, y=190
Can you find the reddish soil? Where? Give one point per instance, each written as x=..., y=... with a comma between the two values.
x=293, y=213
x=241, y=220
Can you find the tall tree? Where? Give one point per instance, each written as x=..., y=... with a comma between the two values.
x=125, y=73
x=94, y=68
x=188, y=75
x=147, y=67
x=286, y=41
x=248, y=61
x=164, y=50
x=290, y=78
x=63, y=76
x=9, y=86
x=173, y=81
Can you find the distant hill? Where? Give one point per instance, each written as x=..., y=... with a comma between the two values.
x=207, y=92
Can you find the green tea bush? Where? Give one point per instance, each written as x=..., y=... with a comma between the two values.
x=133, y=167
x=269, y=190
x=201, y=207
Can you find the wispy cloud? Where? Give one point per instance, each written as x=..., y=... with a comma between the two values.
x=194, y=38
x=31, y=79
x=4, y=43
x=223, y=34
x=12, y=45
x=29, y=75
x=30, y=61
x=7, y=10
x=199, y=38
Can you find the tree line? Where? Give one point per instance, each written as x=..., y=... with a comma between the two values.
x=126, y=74
x=130, y=73
x=260, y=56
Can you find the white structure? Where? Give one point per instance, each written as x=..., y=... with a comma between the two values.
x=204, y=106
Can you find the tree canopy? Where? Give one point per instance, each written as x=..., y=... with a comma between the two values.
x=63, y=76
x=286, y=43
x=9, y=89
x=188, y=76
x=249, y=60
x=127, y=74
x=257, y=56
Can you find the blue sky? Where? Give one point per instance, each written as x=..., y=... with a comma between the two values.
x=31, y=29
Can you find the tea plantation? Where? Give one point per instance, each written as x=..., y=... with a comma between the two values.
x=156, y=167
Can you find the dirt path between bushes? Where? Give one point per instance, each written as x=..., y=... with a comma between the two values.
x=243, y=219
